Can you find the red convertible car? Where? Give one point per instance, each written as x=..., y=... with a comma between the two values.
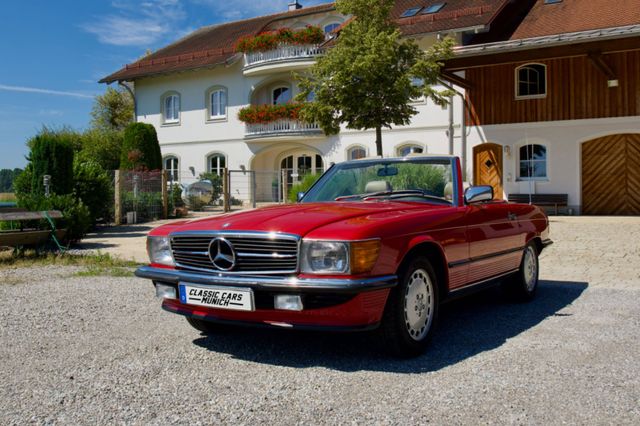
x=375, y=243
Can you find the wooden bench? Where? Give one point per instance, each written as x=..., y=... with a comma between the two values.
x=27, y=237
x=555, y=200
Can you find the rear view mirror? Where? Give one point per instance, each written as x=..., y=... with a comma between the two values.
x=478, y=194
x=387, y=171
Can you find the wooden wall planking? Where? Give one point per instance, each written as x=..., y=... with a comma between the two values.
x=576, y=90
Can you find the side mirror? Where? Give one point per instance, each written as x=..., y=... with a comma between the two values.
x=300, y=195
x=478, y=194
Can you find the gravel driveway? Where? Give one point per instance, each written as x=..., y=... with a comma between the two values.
x=100, y=350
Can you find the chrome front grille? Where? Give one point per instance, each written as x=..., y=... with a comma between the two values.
x=255, y=253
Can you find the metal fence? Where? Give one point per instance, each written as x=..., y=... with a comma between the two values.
x=140, y=196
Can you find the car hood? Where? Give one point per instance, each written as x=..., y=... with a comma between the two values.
x=298, y=219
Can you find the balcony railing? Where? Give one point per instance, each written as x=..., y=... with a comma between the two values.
x=283, y=53
x=281, y=128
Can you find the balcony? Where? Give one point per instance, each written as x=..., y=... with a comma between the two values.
x=282, y=129
x=284, y=58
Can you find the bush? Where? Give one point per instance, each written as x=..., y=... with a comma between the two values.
x=77, y=219
x=93, y=186
x=303, y=186
x=216, y=182
x=175, y=197
x=140, y=148
x=52, y=154
x=103, y=147
x=260, y=114
x=148, y=205
x=270, y=40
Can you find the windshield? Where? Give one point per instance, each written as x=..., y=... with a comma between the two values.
x=404, y=179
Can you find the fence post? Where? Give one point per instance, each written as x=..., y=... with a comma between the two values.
x=118, y=205
x=285, y=187
x=225, y=190
x=165, y=195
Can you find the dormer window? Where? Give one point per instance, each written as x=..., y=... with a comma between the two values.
x=531, y=81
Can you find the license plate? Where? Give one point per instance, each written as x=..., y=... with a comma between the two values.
x=236, y=299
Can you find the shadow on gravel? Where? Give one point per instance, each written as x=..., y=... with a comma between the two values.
x=467, y=327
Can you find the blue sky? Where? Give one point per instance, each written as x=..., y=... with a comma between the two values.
x=54, y=52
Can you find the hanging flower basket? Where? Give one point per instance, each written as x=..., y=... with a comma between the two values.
x=271, y=40
x=262, y=114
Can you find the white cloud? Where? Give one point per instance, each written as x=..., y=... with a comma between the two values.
x=44, y=91
x=138, y=23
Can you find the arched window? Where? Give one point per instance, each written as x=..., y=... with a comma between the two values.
x=405, y=150
x=217, y=103
x=356, y=152
x=531, y=81
x=281, y=95
x=171, y=108
x=533, y=162
x=216, y=163
x=330, y=28
x=172, y=166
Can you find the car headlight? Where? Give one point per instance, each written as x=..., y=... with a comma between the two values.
x=338, y=257
x=159, y=250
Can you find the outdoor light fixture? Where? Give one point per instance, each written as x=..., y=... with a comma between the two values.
x=46, y=179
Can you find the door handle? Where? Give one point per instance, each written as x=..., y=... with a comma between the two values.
x=512, y=216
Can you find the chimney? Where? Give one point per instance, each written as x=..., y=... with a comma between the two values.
x=294, y=5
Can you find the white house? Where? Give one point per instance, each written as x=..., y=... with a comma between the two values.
x=192, y=91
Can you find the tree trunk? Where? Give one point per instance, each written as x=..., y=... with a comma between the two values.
x=379, y=141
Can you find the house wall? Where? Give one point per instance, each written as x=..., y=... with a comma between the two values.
x=563, y=140
x=576, y=90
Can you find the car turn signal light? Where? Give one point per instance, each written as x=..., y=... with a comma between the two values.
x=364, y=255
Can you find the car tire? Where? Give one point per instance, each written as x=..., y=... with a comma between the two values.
x=411, y=313
x=206, y=327
x=524, y=283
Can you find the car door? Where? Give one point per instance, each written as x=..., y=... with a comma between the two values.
x=494, y=235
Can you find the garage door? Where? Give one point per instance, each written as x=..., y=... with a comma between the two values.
x=611, y=175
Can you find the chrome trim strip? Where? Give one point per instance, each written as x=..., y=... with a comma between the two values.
x=174, y=276
x=484, y=257
x=267, y=255
x=237, y=234
x=481, y=282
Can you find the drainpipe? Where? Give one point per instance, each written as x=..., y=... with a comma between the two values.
x=133, y=97
x=450, y=132
x=463, y=126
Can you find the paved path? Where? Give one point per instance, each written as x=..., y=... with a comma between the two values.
x=99, y=350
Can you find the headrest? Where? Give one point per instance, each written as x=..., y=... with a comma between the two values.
x=377, y=186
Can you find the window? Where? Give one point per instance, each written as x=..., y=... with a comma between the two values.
x=171, y=165
x=531, y=81
x=216, y=163
x=281, y=95
x=533, y=162
x=434, y=8
x=217, y=100
x=410, y=12
x=171, y=108
x=405, y=150
x=356, y=153
x=330, y=28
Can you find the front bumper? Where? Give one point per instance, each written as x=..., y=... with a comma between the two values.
x=333, y=285
x=337, y=304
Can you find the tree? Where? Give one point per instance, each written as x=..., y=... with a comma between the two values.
x=140, y=148
x=103, y=147
x=7, y=177
x=112, y=111
x=368, y=79
x=52, y=154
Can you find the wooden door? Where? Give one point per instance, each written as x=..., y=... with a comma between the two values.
x=611, y=175
x=487, y=167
